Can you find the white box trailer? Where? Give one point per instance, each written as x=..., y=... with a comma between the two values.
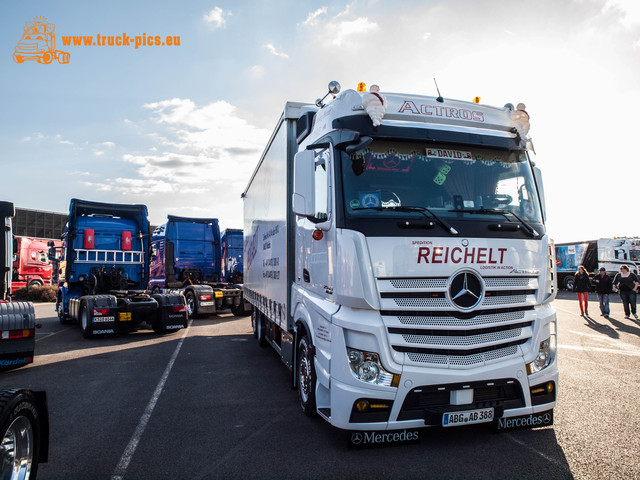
x=396, y=258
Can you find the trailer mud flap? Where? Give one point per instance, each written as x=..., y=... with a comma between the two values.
x=172, y=313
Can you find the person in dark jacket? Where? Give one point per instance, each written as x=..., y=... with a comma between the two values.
x=582, y=286
x=627, y=284
x=604, y=286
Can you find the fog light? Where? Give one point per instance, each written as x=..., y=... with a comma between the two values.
x=362, y=405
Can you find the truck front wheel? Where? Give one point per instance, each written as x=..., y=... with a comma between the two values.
x=84, y=321
x=20, y=430
x=306, y=376
x=568, y=283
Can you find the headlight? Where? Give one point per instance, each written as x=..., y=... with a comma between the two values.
x=367, y=367
x=546, y=354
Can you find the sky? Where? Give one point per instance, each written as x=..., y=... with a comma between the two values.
x=180, y=128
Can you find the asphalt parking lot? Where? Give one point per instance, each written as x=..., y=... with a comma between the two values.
x=207, y=403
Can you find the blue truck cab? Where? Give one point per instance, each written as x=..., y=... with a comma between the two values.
x=104, y=272
x=232, y=249
x=187, y=258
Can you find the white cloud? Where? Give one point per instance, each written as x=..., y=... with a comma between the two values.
x=342, y=30
x=216, y=17
x=98, y=153
x=313, y=16
x=108, y=144
x=630, y=11
x=275, y=51
x=257, y=71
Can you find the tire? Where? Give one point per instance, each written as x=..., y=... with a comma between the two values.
x=47, y=58
x=240, y=311
x=568, y=282
x=306, y=376
x=192, y=304
x=63, y=57
x=18, y=58
x=60, y=310
x=20, y=430
x=258, y=328
x=84, y=321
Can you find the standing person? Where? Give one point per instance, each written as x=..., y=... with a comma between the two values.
x=627, y=284
x=604, y=286
x=582, y=286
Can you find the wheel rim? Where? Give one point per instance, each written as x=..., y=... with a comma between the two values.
x=304, y=374
x=190, y=304
x=85, y=320
x=16, y=450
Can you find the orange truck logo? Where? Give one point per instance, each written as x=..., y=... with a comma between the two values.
x=38, y=43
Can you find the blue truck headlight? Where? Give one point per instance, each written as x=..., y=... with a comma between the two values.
x=367, y=367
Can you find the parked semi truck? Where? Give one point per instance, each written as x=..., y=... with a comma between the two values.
x=232, y=252
x=607, y=253
x=24, y=414
x=104, y=272
x=187, y=258
x=17, y=319
x=31, y=265
x=396, y=258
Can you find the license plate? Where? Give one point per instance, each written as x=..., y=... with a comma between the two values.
x=467, y=417
x=206, y=304
x=104, y=319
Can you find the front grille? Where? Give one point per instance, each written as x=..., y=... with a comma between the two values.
x=431, y=402
x=423, y=323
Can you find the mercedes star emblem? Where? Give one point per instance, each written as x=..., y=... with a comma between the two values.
x=466, y=290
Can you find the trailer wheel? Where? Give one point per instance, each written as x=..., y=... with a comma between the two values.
x=568, y=282
x=63, y=57
x=257, y=322
x=84, y=321
x=20, y=430
x=192, y=304
x=306, y=376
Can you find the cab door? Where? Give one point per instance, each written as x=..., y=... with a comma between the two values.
x=315, y=235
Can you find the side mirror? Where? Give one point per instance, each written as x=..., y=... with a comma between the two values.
x=537, y=173
x=303, y=184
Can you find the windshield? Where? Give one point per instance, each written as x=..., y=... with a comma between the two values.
x=452, y=182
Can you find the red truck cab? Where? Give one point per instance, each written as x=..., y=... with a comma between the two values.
x=31, y=265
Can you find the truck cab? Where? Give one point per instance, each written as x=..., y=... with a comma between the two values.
x=104, y=272
x=187, y=258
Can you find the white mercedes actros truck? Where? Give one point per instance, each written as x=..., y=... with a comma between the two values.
x=396, y=258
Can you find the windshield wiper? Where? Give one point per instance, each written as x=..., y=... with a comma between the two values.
x=498, y=211
x=422, y=210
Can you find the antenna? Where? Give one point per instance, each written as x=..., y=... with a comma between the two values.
x=439, y=99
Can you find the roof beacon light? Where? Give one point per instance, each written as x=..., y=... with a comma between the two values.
x=375, y=104
x=362, y=87
x=476, y=100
